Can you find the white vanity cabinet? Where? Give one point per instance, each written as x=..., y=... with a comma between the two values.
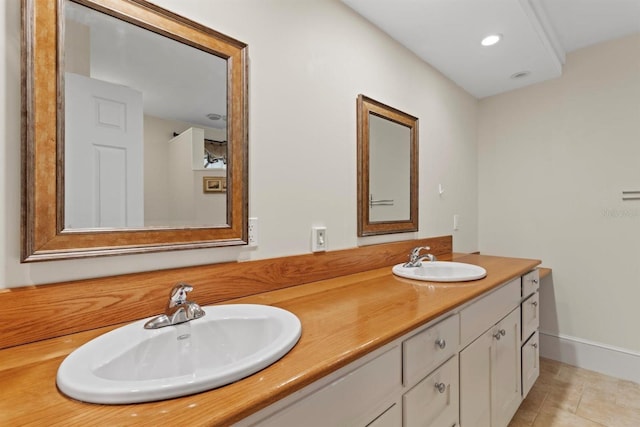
x=490, y=364
x=499, y=367
x=469, y=368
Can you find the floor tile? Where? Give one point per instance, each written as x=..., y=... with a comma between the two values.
x=562, y=419
x=517, y=422
x=626, y=417
x=628, y=394
x=534, y=400
x=567, y=396
x=562, y=395
x=593, y=407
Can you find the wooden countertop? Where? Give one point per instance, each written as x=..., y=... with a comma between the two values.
x=342, y=319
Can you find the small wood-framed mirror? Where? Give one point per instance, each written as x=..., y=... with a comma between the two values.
x=94, y=70
x=387, y=169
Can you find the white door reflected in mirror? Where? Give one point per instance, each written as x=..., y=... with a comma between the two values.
x=120, y=166
x=103, y=146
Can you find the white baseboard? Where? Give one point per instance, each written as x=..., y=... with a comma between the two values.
x=608, y=360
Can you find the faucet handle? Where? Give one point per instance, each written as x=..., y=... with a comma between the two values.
x=414, y=257
x=178, y=294
x=415, y=252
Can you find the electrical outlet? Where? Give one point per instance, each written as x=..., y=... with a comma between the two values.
x=253, y=232
x=318, y=239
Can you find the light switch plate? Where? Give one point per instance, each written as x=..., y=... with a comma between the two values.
x=318, y=239
x=253, y=232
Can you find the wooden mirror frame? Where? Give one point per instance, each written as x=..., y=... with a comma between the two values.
x=365, y=107
x=43, y=234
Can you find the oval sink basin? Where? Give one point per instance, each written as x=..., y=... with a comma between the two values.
x=132, y=364
x=441, y=271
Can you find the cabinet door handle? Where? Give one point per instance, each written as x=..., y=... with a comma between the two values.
x=499, y=334
x=534, y=344
x=534, y=281
x=441, y=387
x=441, y=343
x=534, y=303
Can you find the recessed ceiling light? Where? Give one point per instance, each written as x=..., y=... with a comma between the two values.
x=520, y=74
x=491, y=39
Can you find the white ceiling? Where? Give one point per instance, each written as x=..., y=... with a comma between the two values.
x=536, y=35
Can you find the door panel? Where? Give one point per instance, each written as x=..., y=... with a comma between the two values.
x=506, y=396
x=103, y=154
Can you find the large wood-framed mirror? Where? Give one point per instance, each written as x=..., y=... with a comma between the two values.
x=387, y=169
x=134, y=131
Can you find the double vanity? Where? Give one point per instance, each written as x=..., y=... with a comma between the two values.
x=470, y=366
x=376, y=349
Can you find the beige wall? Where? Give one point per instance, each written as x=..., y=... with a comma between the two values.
x=157, y=205
x=308, y=62
x=553, y=161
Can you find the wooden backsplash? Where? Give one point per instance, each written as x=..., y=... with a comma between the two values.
x=39, y=312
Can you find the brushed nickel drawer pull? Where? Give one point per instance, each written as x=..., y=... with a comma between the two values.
x=441, y=343
x=441, y=387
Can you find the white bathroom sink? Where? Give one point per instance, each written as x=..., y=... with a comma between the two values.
x=132, y=364
x=441, y=271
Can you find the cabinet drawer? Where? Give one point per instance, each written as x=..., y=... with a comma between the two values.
x=423, y=352
x=434, y=400
x=530, y=315
x=350, y=400
x=530, y=282
x=530, y=363
x=484, y=313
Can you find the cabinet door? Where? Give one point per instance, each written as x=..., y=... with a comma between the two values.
x=530, y=364
x=505, y=370
x=490, y=376
x=475, y=382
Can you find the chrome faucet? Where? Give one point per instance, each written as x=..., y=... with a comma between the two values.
x=178, y=309
x=414, y=257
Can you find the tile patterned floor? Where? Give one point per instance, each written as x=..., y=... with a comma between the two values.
x=566, y=396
